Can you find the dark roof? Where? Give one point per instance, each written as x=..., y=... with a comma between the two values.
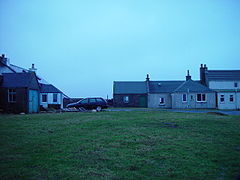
x=163, y=86
x=49, y=88
x=192, y=86
x=129, y=87
x=223, y=74
x=16, y=79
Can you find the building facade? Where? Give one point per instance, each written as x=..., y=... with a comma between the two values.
x=226, y=84
x=216, y=89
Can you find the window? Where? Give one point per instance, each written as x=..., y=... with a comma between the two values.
x=55, y=97
x=92, y=100
x=201, y=97
x=191, y=97
x=222, y=98
x=99, y=100
x=184, y=97
x=12, y=95
x=235, y=84
x=231, y=99
x=44, y=98
x=162, y=100
x=126, y=99
x=84, y=101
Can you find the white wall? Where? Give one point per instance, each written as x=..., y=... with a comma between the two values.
x=223, y=84
x=227, y=104
x=154, y=100
x=50, y=99
x=192, y=101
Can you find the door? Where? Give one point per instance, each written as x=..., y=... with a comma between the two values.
x=33, y=101
x=142, y=101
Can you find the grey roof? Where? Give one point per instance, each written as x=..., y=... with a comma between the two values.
x=163, y=86
x=20, y=69
x=192, y=86
x=49, y=88
x=16, y=79
x=223, y=74
x=129, y=87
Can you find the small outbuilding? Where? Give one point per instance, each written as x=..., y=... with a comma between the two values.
x=19, y=93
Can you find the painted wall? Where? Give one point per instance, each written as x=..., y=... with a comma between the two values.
x=154, y=100
x=50, y=99
x=223, y=84
x=192, y=101
x=227, y=104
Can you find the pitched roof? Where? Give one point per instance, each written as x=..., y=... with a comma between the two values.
x=16, y=79
x=223, y=74
x=192, y=86
x=163, y=86
x=49, y=88
x=129, y=87
x=20, y=69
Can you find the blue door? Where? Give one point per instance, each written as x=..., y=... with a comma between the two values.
x=33, y=101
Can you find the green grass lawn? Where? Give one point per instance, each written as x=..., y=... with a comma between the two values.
x=119, y=145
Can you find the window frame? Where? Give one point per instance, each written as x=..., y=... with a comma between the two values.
x=161, y=101
x=12, y=95
x=220, y=98
x=55, y=94
x=46, y=98
x=231, y=96
x=201, y=97
x=184, y=99
x=126, y=99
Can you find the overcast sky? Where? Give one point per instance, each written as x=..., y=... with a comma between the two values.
x=82, y=46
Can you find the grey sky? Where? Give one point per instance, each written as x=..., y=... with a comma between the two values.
x=83, y=46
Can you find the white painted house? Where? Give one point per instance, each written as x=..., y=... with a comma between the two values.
x=226, y=84
x=50, y=96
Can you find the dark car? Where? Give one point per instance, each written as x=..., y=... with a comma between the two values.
x=90, y=103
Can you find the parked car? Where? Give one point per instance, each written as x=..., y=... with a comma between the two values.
x=90, y=103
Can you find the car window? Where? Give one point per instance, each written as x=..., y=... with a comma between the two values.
x=99, y=100
x=84, y=101
x=92, y=100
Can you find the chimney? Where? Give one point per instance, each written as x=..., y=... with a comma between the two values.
x=32, y=69
x=203, y=76
x=147, y=83
x=188, y=77
x=4, y=60
x=147, y=78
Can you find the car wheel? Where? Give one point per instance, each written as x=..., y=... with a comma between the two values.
x=99, y=108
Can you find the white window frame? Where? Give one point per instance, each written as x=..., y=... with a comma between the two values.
x=185, y=98
x=126, y=99
x=11, y=94
x=46, y=98
x=222, y=96
x=232, y=98
x=56, y=98
x=161, y=101
x=235, y=84
x=201, y=97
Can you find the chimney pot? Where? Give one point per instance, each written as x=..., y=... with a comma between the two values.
x=201, y=65
x=147, y=79
x=188, y=77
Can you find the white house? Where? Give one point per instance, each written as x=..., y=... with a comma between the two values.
x=226, y=84
x=50, y=96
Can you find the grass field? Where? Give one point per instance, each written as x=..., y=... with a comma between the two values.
x=119, y=145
